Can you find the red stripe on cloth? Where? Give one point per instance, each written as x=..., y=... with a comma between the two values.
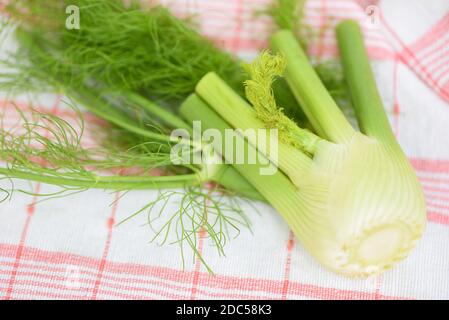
x=443, y=79
x=396, y=106
x=366, y=3
x=288, y=264
x=221, y=282
x=316, y=292
x=198, y=262
x=443, y=76
x=34, y=293
x=436, y=54
x=444, y=88
x=114, y=281
x=30, y=211
x=117, y=284
x=88, y=278
x=238, y=25
x=429, y=165
x=435, y=179
x=435, y=205
x=438, y=218
x=378, y=287
x=103, y=261
x=49, y=283
x=322, y=29
x=432, y=35
x=437, y=197
x=111, y=287
x=410, y=59
x=435, y=189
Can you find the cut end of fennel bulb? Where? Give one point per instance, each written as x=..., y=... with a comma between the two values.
x=377, y=250
x=366, y=213
x=382, y=244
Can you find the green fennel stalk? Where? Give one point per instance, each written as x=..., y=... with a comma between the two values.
x=358, y=208
x=362, y=85
x=317, y=103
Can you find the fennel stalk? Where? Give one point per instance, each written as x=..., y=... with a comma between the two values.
x=356, y=205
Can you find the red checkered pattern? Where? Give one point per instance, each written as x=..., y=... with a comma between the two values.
x=69, y=248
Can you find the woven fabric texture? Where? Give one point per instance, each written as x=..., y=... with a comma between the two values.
x=69, y=248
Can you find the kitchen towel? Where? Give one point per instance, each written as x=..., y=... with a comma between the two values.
x=71, y=248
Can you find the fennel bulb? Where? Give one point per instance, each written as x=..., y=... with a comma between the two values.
x=353, y=200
